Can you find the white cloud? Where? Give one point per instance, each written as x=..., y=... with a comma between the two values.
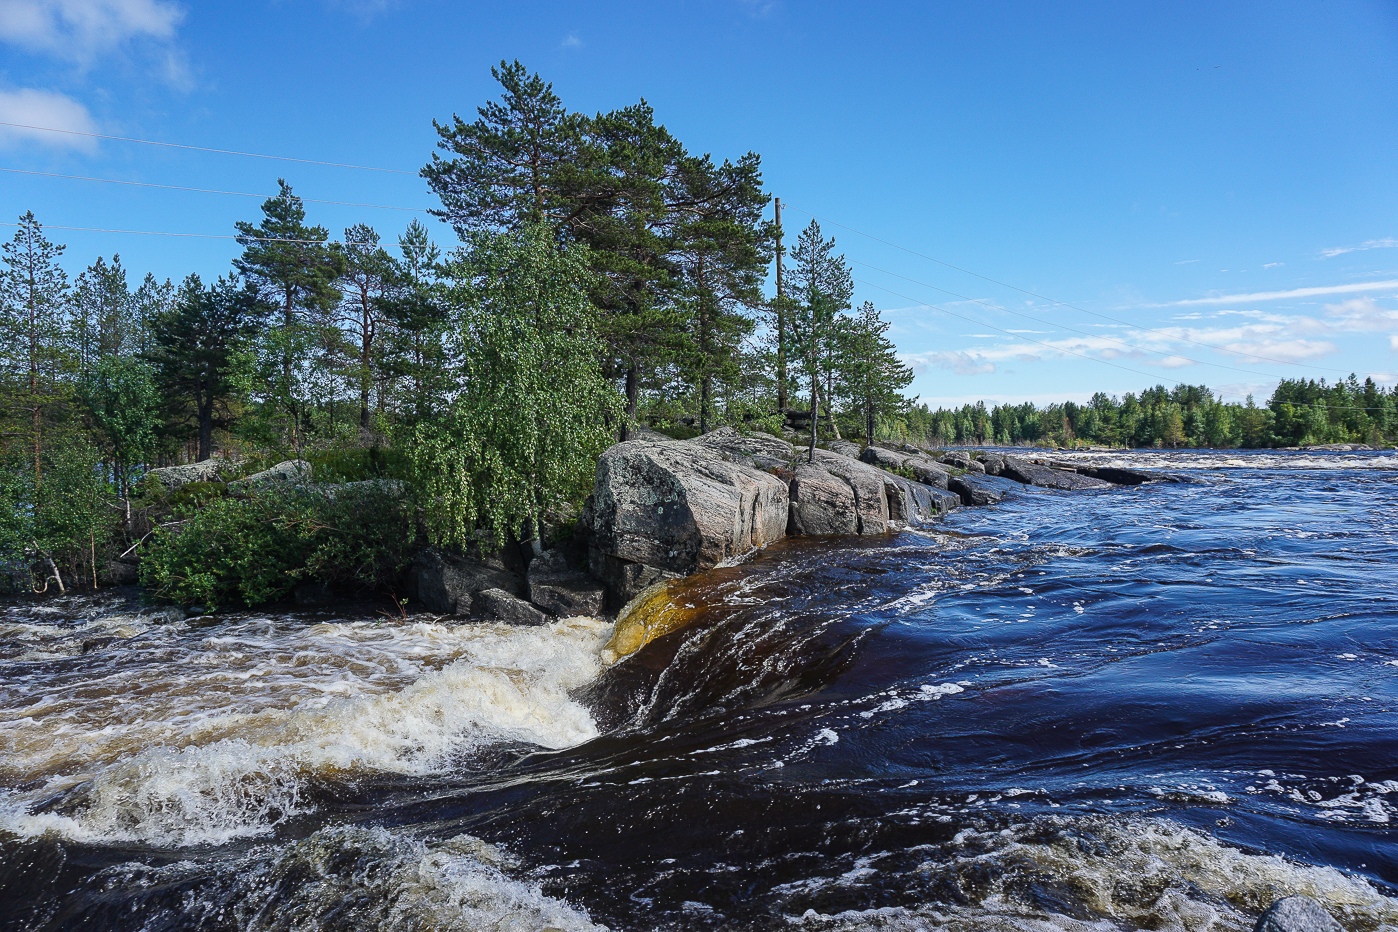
x=962, y=363
x=1351, y=288
x=1280, y=350
x=1386, y=242
x=1272, y=265
x=1175, y=362
x=79, y=30
x=1393, y=342
x=571, y=41
x=1362, y=315
x=44, y=108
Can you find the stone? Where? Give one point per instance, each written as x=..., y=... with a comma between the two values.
x=645, y=433
x=759, y=450
x=499, y=605
x=973, y=493
x=121, y=573
x=955, y=458
x=561, y=590
x=993, y=463
x=1296, y=914
x=913, y=503
x=923, y=468
x=870, y=498
x=170, y=478
x=822, y=504
x=1118, y=475
x=447, y=583
x=681, y=506
x=844, y=448
x=285, y=471
x=1022, y=470
x=883, y=458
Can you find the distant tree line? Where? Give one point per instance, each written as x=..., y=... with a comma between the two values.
x=1300, y=412
x=605, y=278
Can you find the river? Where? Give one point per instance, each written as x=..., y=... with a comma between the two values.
x=1155, y=707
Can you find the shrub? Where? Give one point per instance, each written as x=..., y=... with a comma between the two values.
x=256, y=549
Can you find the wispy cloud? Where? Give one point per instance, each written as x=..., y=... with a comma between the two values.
x=44, y=108
x=1386, y=242
x=1313, y=292
x=80, y=30
x=1272, y=265
x=571, y=41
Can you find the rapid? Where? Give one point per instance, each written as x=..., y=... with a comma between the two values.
x=1157, y=707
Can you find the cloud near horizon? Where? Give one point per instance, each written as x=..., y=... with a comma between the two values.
x=1312, y=292
x=1386, y=242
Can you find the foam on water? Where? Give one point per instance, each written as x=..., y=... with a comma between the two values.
x=348, y=879
x=1146, y=873
x=203, y=743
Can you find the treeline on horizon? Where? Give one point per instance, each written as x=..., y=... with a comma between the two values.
x=1301, y=412
x=605, y=278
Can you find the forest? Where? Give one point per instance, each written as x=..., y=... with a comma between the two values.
x=604, y=278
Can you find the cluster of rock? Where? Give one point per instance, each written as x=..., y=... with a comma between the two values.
x=663, y=509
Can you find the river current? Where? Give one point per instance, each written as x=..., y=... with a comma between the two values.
x=1157, y=707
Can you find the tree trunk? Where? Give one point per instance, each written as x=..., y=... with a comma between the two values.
x=206, y=428
x=869, y=422
x=815, y=417
x=633, y=397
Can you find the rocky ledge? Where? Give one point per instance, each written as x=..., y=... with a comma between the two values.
x=663, y=509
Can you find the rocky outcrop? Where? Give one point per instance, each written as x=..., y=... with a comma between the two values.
x=959, y=459
x=1116, y=475
x=673, y=508
x=448, y=583
x=922, y=467
x=170, y=478
x=285, y=471
x=994, y=463
x=561, y=590
x=499, y=605
x=844, y=448
x=1296, y=914
x=973, y=492
x=822, y=503
x=1029, y=473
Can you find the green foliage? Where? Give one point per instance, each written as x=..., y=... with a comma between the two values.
x=530, y=411
x=62, y=517
x=1300, y=412
x=355, y=464
x=247, y=551
x=122, y=399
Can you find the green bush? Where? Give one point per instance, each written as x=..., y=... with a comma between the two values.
x=354, y=464
x=256, y=549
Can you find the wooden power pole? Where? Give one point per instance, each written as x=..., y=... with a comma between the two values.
x=781, y=320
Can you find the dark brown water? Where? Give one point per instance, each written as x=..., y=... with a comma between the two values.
x=1158, y=707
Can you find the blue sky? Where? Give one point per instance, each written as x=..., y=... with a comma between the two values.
x=1047, y=199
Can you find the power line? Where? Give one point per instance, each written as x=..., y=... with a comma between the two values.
x=176, y=145
x=176, y=187
x=240, y=237
x=1052, y=302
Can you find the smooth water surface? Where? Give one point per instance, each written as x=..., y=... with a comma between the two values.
x=1154, y=707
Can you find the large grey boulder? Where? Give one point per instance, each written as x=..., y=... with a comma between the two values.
x=1022, y=470
x=448, y=583
x=993, y=463
x=1296, y=914
x=973, y=492
x=287, y=471
x=673, y=508
x=914, y=503
x=844, y=448
x=922, y=467
x=499, y=605
x=821, y=503
x=757, y=449
x=561, y=590
x=867, y=483
x=1116, y=475
x=170, y=478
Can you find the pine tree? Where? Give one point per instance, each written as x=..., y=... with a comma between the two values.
x=415, y=312
x=366, y=272
x=293, y=269
x=505, y=170
x=102, y=320
x=821, y=286
x=722, y=246
x=873, y=376
x=193, y=346
x=33, y=356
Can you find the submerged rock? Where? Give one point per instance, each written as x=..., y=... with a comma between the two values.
x=1022, y=470
x=1296, y=914
x=447, y=583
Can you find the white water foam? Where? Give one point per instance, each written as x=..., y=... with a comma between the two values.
x=1140, y=872
x=177, y=766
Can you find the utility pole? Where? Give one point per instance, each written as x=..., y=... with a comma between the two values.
x=781, y=320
